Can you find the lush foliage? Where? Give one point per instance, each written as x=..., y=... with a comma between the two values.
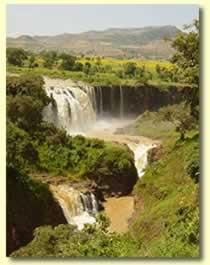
x=67, y=241
x=33, y=144
x=29, y=203
x=96, y=70
x=166, y=220
x=21, y=152
x=186, y=59
x=16, y=56
x=169, y=224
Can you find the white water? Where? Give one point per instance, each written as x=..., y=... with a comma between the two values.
x=78, y=208
x=121, y=103
x=140, y=156
x=101, y=101
x=77, y=106
x=73, y=109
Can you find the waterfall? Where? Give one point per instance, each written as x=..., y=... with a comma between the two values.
x=90, y=90
x=121, y=103
x=73, y=108
x=140, y=156
x=100, y=101
x=112, y=101
x=78, y=208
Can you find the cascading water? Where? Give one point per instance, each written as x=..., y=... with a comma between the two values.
x=78, y=208
x=140, y=156
x=75, y=107
x=112, y=100
x=101, y=101
x=121, y=103
x=72, y=108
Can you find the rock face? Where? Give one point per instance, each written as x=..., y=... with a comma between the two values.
x=121, y=100
x=116, y=185
x=154, y=154
x=26, y=211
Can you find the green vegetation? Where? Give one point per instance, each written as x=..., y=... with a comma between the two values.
x=67, y=241
x=169, y=224
x=166, y=218
x=16, y=56
x=29, y=204
x=166, y=221
x=94, y=70
x=187, y=60
x=36, y=145
x=167, y=123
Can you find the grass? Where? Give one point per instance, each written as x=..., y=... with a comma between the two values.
x=149, y=64
x=166, y=219
x=170, y=203
x=97, y=79
x=150, y=126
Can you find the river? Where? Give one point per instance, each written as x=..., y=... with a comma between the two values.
x=80, y=109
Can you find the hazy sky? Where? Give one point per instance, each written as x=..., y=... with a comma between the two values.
x=56, y=19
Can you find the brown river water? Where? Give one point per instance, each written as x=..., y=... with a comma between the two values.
x=119, y=210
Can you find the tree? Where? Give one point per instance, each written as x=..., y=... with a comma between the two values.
x=29, y=85
x=68, y=61
x=20, y=151
x=26, y=99
x=186, y=58
x=49, y=59
x=78, y=66
x=32, y=61
x=16, y=56
x=86, y=68
x=130, y=69
x=180, y=116
x=157, y=68
x=24, y=111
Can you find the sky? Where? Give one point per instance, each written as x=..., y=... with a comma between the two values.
x=57, y=19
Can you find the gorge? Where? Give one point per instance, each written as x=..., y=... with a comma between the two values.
x=95, y=112
x=90, y=165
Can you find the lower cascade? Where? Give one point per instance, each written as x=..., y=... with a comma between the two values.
x=78, y=208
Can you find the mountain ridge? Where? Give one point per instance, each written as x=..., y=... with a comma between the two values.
x=145, y=43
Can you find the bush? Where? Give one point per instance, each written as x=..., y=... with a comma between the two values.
x=27, y=85
x=24, y=111
x=21, y=152
x=16, y=56
x=67, y=241
x=193, y=163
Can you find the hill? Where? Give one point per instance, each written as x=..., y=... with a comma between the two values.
x=144, y=43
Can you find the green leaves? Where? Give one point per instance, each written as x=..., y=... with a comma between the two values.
x=187, y=60
x=21, y=152
x=16, y=56
x=67, y=241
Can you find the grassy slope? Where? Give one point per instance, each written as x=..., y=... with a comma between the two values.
x=168, y=226
x=166, y=221
x=149, y=125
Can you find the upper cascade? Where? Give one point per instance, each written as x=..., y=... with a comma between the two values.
x=76, y=106
x=72, y=107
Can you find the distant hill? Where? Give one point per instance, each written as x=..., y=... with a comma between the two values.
x=145, y=43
